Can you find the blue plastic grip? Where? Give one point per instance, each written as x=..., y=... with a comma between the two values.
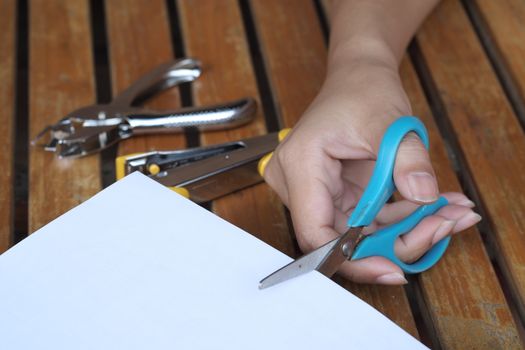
x=381, y=185
x=381, y=243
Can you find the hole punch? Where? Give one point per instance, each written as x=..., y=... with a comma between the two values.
x=95, y=127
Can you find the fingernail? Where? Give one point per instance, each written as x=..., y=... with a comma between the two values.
x=392, y=278
x=443, y=230
x=423, y=187
x=467, y=203
x=468, y=220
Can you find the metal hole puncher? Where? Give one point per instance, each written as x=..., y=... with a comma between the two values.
x=206, y=173
x=95, y=127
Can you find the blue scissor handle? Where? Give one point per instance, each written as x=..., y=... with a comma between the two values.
x=381, y=243
x=380, y=189
x=381, y=185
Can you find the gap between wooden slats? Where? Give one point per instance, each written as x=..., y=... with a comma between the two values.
x=463, y=91
x=21, y=130
x=62, y=79
x=102, y=82
x=138, y=56
x=135, y=51
x=186, y=94
x=11, y=77
x=499, y=42
x=464, y=176
x=213, y=32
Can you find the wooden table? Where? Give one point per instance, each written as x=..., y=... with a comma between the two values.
x=465, y=75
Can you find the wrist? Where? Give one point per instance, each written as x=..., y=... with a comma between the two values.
x=361, y=51
x=365, y=90
x=362, y=75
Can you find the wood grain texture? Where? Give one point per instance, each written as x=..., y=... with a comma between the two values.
x=294, y=54
x=139, y=40
x=488, y=133
x=7, y=98
x=61, y=79
x=213, y=32
x=295, y=57
x=462, y=292
x=504, y=21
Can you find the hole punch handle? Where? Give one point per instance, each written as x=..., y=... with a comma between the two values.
x=381, y=184
x=218, y=117
x=163, y=77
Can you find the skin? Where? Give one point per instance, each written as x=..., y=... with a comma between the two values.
x=321, y=168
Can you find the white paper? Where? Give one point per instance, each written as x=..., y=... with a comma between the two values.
x=140, y=267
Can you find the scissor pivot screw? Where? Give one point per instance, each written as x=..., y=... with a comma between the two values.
x=347, y=251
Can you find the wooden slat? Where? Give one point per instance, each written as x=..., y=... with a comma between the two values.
x=462, y=292
x=7, y=77
x=213, y=32
x=488, y=133
x=294, y=53
x=61, y=78
x=295, y=57
x=503, y=23
x=391, y=301
x=133, y=51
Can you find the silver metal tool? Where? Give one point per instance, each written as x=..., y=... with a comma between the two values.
x=95, y=127
x=205, y=173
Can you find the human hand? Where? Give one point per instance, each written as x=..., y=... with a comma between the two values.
x=321, y=168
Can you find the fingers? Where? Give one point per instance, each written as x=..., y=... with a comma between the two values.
x=312, y=210
x=273, y=175
x=308, y=182
x=393, y=212
x=373, y=270
x=448, y=220
x=464, y=218
x=413, y=173
x=410, y=247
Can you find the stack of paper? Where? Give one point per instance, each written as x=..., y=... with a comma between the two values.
x=120, y=273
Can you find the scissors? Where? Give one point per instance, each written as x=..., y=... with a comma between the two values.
x=354, y=244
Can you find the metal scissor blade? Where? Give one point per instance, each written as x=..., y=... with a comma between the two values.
x=326, y=259
x=304, y=264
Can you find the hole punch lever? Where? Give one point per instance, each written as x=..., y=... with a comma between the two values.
x=95, y=127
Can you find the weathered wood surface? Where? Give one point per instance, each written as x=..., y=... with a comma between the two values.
x=61, y=79
x=7, y=101
x=462, y=296
x=213, y=31
x=501, y=24
x=133, y=51
x=294, y=54
x=486, y=132
x=462, y=293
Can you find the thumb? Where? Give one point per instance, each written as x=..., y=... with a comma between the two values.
x=413, y=173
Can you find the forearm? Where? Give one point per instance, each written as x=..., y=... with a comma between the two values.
x=377, y=31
